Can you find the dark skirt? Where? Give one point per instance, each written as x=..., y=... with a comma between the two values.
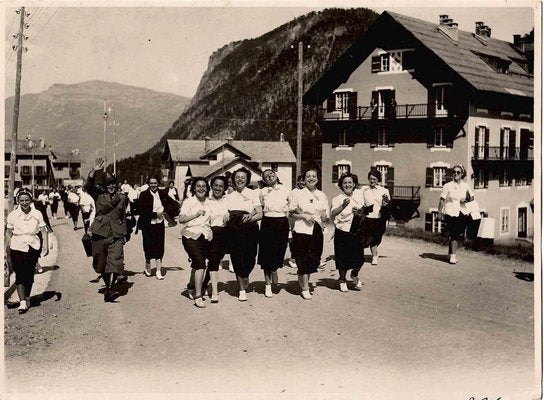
x=216, y=249
x=348, y=250
x=197, y=250
x=107, y=254
x=273, y=242
x=73, y=209
x=374, y=228
x=309, y=249
x=153, y=241
x=24, y=264
x=54, y=206
x=456, y=226
x=243, y=240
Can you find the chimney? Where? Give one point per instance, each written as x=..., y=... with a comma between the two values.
x=282, y=137
x=517, y=40
x=449, y=28
x=42, y=143
x=207, y=143
x=478, y=27
x=482, y=30
x=229, y=140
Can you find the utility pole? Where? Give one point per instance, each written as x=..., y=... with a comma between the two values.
x=104, y=132
x=15, y=125
x=299, y=116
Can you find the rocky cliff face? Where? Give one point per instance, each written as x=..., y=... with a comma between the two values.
x=71, y=116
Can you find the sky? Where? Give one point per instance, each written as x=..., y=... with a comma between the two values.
x=166, y=46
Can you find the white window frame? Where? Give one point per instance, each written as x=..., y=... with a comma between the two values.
x=481, y=182
x=343, y=168
x=439, y=176
x=436, y=224
x=383, y=170
x=440, y=108
x=503, y=179
x=501, y=217
x=382, y=134
x=481, y=141
x=505, y=136
x=385, y=62
x=442, y=143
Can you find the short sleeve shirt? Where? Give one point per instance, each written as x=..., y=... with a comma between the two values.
x=246, y=200
x=452, y=193
x=374, y=196
x=343, y=220
x=218, y=211
x=314, y=203
x=25, y=229
x=86, y=202
x=275, y=201
x=200, y=225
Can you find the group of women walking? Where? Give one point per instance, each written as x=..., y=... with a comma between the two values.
x=221, y=217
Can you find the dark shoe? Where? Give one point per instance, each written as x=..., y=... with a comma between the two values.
x=110, y=295
x=121, y=279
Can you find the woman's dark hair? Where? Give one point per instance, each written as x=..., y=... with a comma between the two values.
x=24, y=191
x=152, y=177
x=194, y=182
x=222, y=179
x=244, y=170
x=308, y=170
x=376, y=173
x=348, y=175
x=270, y=169
x=300, y=178
x=170, y=182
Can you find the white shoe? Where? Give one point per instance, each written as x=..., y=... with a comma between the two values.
x=242, y=295
x=147, y=270
x=306, y=295
x=200, y=303
x=357, y=282
x=159, y=274
x=343, y=287
x=453, y=259
x=191, y=293
x=374, y=260
x=23, y=307
x=267, y=290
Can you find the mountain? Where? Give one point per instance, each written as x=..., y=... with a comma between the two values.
x=71, y=117
x=249, y=90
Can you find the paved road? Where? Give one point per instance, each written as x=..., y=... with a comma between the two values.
x=420, y=328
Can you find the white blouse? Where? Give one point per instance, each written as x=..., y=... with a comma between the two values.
x=219, y=214
x=25, y=229
x=374, y=196
x=43, y=198
x=452, y=193
x=314, y=203
x=200, y=225
x=246, y=200
x=343, y=220
x=157, y=207
x=275, y=201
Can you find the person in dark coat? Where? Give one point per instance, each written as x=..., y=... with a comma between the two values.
x=108, y=230
x=153, y=205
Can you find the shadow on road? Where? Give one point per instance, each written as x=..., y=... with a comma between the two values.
x=49, y=268
x=230, y=287
x=525, y=276
x=329, y=283
x=38, y=299
x=123, y=287
x=438, y=257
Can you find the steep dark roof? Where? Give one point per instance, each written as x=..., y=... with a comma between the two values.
x=461, y=57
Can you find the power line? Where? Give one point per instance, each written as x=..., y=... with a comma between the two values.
x=42, y=28
x=11, y=26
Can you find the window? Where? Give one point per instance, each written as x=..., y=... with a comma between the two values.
x=440, y=99
x=432, y=223
x=384, y=58
x=439, y=176
x=505, y=142
x=342, y=101
x=383, y=169
x=439, y=137
x=504, y=178
x=393, y=61
x=521, y=180
x=338, y=170
x=39, y=171
x=505, y=220
x=26, y=170
x=481, y=143
x=342, y=138
x=480, y=179
x=383, y=137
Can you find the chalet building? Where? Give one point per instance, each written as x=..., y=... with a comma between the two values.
x=29, y=153
x=66, y=167
x=209, y=158
x=412, y=99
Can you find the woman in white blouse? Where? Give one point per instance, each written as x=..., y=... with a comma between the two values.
x=245, y=210
x=41, y=205
x=452, y=208
x=377, y=197
x=219, y=215
x=23, y=244
x=310, y=209
x=274, y=228
x=348, y=249
x=196, y=234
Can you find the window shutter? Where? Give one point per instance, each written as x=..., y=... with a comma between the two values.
x=331, y=103
x=428, y=222
x=408, y=60
x=391, y=137
x=373, y=137
x=429, y=177
x=430, y=102
x=376, y=64
x=486, y=178
x=335, y=138
x=374, y=103
x=390, y=182
x=350, y=138
x=502, y=140
x=449, y=175
x=486, y=150
x=334, y=173
x=352, y=105
x=430, y=137
x=512, y=144
x=448, y=137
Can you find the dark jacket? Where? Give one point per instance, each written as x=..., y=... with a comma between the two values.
x=110, y=217
x=145, y=207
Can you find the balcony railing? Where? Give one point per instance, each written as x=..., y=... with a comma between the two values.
x=403, y=111
x=404, y=192
x=501, y=153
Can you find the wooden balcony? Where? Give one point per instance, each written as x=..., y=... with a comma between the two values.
x=497, y=153
x=403, y=111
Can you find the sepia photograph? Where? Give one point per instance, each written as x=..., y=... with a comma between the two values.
x=300, y=200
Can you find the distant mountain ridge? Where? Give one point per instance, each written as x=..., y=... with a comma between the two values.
x=70, y=116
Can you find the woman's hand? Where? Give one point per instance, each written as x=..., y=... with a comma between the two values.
x=98, y=164
x=308, y=218
x=199, y=213
x=246, y=218
x=345, y=203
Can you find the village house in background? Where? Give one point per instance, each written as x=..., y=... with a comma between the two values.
x=209, y=158
x=50, y=167
x=412, y=99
